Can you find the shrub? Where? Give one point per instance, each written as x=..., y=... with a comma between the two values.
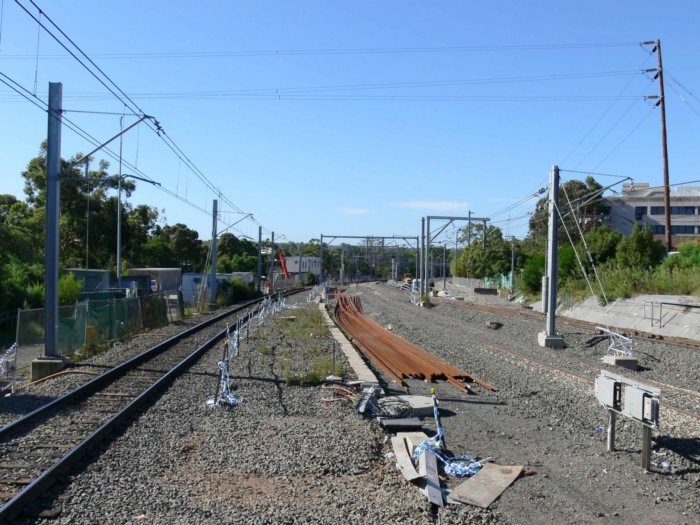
x=68, y=288
x=531, y=279
x=688, y=257
x=639, y=250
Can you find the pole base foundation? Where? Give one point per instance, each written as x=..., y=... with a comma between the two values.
x=550, y=341
x=45, y=366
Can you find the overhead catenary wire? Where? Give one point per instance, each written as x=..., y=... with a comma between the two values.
x=580, y=263
x=297, y=90
x=624, y=139
x=347, y=51
x=118, y=93
x=610, y=130
x=684, y=100
x=585, y=246
x=26, y=94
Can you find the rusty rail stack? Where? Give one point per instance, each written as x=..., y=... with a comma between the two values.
x=398, y=358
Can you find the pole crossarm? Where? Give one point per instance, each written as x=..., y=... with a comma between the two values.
x=450, y=220
x=232, y=225
x=115, y=137
x=406, y=238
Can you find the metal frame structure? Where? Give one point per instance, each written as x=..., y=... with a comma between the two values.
x=427, y=238
x=405, y=238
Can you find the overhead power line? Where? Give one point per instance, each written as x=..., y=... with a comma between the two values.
x=339, y=51
x=111, y=86
x=298, y=90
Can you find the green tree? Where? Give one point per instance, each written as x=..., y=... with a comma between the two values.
x=588, y=210
x=494, y=260
x=602, y=243
x=186, y=246
x=639, y=250
x=533, y=271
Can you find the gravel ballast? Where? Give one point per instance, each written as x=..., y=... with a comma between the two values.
x=285, y=456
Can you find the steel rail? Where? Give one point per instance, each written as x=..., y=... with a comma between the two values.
x=34, y=489
x=397, y=357
x=115, y=372
x=512, y=312
x=581, y=377
x=585, y=324
x=577, y=323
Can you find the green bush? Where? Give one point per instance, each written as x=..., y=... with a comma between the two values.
x=639, y=250
x=233, y=291
x=68, y=288
x=688, y=257
x=533, y=271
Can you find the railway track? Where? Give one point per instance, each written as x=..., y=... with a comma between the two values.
x=682, y=400
x=38, y=447
x=688, y=397
x=576, y=323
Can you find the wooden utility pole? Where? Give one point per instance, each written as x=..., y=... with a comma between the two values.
x=662, y=104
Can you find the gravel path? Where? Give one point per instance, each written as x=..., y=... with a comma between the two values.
x=284, y=456
x=547, y=419
x=281, y=456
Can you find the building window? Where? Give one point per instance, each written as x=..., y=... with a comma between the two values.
x=657, y=210
x=639, y=212
x=682, y=210
x=657, y=229
x=683, y=229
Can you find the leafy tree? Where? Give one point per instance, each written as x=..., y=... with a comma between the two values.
x=589, y=210
x=602, y=243
x=186, y=246
x=533, y=271
x=479, y=263
x=639, y=250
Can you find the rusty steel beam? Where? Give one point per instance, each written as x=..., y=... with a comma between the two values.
x=398, y=358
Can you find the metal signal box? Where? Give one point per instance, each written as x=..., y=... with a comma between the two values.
x=608, y=391
x=641, y=405
x=634, y=402
x=651, y=411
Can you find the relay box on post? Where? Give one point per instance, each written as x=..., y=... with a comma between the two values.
x=608, y=392
x=626, y=396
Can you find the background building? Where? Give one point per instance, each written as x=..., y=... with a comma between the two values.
x=308, y=264
x=641, y=204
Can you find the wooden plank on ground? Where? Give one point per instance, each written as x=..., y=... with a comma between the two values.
x=487, y=485
x=413, y=439
x=403, y=459
x=403, y=422
x=433, y=481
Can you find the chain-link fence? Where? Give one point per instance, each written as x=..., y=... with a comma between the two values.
x=92, y=323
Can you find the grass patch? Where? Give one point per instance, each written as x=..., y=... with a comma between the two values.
x=264, y=350
x=623, y=283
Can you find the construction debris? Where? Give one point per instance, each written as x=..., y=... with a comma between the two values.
x=487, y=485
x=394, y=424
x=398, y=358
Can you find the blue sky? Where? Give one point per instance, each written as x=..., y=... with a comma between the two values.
x=407, y=108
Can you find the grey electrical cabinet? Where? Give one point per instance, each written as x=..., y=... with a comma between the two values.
x=608, y=391
x=641, y=404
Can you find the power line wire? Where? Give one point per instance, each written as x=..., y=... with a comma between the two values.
x=607, y=110
x=624, y=139
x=341, y=51
x=156, y=127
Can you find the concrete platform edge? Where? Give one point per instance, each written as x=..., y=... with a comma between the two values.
x=355, y=360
